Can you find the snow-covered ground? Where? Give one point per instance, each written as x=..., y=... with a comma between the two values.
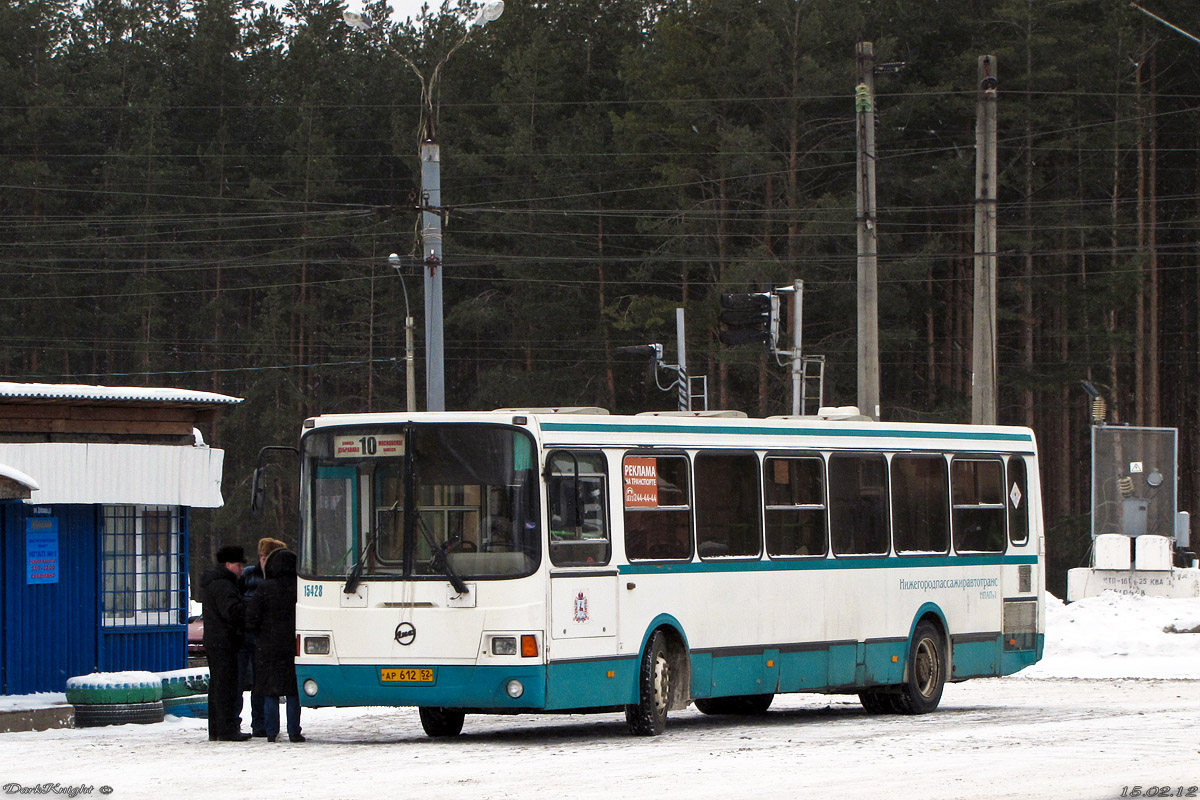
x=1113, y=706
x=1120, y=636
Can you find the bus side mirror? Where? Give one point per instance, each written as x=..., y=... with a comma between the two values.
x=257, y=492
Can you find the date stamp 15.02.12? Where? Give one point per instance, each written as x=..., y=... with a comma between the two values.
x=1160, y=791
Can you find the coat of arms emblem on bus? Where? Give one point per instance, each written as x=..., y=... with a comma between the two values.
x=581, y=613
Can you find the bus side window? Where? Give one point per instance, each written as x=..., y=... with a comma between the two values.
x=920, y=504
x=795, y=506
x=1018, y=501
x=576, y=485
x=858, y=504
x=657, y=508
x=977, y=489
x=727, y=505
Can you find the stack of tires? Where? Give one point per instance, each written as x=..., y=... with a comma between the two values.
x=185, y=692
x=116, y=698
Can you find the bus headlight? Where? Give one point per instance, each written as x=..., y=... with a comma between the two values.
x=504, y=645
x=316, y=645
x=515, y=688
x=310, y=687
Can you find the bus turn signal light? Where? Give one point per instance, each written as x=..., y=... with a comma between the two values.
x=529, y=648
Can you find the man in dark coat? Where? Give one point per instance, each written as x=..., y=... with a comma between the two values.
x=224, y=622
x=272, y=618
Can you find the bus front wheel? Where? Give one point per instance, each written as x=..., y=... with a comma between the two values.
x=925, y=676
x=439, y=722
x=648, y=716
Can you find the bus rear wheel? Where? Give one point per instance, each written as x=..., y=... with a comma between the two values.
x=648, y=716
x=925, y=676
x=744, y=705
x=440, y=722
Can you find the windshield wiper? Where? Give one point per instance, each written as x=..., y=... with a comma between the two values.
x=440, y=561
x=355, y=576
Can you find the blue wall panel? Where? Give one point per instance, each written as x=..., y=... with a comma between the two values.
x=50, y=629
x=154, y=649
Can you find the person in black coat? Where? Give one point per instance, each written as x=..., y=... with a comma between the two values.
x=224, y=614
x=272, y=618
x=248, y=583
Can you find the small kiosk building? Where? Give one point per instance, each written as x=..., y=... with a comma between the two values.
x=96, y=484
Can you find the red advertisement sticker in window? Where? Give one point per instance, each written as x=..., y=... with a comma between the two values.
x=641, y=482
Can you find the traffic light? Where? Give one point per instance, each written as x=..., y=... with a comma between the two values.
x=655, y=351
x=749, y=318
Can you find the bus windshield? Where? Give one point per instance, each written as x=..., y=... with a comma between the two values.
x=455, y=501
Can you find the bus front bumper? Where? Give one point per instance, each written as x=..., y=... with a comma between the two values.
x=490, y=687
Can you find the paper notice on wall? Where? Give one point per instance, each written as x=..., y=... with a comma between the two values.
x=41, y=550
x=641, y=482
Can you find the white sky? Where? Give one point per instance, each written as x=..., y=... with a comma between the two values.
x=403, y=8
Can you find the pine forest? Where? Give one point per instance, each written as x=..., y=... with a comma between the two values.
x=205, y=194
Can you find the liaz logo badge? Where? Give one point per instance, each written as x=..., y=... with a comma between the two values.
x=581, y=613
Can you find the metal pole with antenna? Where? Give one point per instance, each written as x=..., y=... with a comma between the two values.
x=797, y=357
x=432, y=212
x=683, y=388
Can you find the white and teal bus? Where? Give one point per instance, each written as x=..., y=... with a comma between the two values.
x=541, y=560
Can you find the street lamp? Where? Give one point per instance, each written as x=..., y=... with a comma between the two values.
x=431, y=202
x=410, y=378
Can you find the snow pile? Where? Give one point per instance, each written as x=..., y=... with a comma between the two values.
x=113, y=680
x=1120, y=636
x=31, y=702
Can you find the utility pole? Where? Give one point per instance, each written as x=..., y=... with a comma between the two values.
x=683, y=388
x=983, y=339
x=431, y=246
x=410, y=370
x=431, y=198
x=797, y=358
x=868, y=278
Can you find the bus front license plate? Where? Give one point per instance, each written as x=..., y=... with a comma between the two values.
x=407, y=675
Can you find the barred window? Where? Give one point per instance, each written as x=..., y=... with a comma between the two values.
x=142, y=569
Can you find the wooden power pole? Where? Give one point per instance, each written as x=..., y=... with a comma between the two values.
x=868, y=279
x=983, y=339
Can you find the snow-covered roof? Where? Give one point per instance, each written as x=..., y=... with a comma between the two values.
x=12, y=473
x=142, y=394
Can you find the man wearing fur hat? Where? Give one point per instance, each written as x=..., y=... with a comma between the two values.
x=224, y=622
